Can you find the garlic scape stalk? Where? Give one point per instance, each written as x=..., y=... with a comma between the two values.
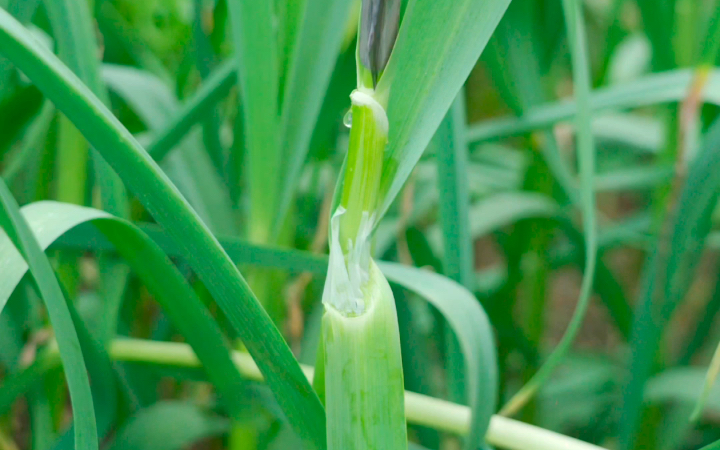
x=359, y=363
x=361, y=341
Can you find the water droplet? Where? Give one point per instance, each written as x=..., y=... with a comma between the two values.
x=347, y=119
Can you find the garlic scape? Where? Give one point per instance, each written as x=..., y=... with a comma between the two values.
x=361, y=341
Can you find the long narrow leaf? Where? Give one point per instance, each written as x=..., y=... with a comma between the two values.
x=425, y=73
x=454, y=198
x=17, y=230
x=100, y=370
x=458, y=255
x=258, y=78
x=213, y=89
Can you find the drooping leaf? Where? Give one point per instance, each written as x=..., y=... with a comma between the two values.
x=50, y=220
x=20, y=239
x=474, y=333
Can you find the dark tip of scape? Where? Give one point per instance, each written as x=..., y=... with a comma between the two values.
x=379, y=22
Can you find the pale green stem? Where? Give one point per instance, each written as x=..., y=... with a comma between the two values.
x=363, y=372
x=361, y=185
x=420, y=409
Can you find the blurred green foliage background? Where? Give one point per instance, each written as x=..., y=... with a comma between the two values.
x=496, y=203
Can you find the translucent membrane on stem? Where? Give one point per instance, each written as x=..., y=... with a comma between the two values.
x=363, y=373
x=348, y=274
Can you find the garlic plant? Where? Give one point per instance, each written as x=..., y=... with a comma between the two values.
x=361, y=341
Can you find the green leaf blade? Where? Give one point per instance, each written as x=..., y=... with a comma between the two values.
x=474, y=333
x=14, y=224
x=425, y=73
